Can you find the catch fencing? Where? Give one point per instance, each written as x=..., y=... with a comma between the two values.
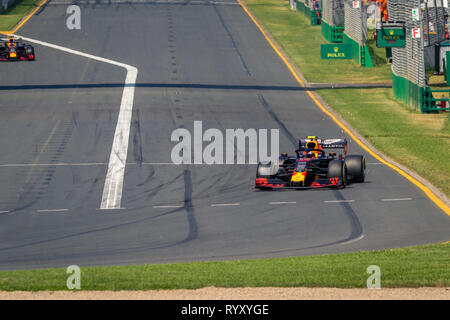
x=333, y=20
x=356, y=21
x=345, y=13
x=424, y=30
x=333, y=12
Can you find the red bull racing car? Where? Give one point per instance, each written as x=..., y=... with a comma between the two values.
x=312, y=167
x=12, y=49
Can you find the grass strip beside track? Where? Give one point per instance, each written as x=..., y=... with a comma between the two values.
x=16, y=13
x=420, y=266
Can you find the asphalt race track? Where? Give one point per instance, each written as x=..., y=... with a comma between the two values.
x=196, y=60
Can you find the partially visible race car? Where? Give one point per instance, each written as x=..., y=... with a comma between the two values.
x=312, y=167
x=12, y=49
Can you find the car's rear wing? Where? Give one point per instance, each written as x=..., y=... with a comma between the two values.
x=325, y=143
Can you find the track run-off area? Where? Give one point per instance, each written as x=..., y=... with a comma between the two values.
x=86, y=176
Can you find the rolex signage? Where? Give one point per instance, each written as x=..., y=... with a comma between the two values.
x=336, y=51
x=391, y=38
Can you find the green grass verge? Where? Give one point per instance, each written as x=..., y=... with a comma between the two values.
x=16, y=12
x=301, y=42
x=418, y=266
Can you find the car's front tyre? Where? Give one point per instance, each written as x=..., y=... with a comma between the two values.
x=356, y=168
x=338, y=169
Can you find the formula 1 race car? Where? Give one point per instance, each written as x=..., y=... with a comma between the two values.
x=312, y=167
x=14, y=49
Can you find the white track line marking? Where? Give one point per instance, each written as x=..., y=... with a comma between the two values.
x=166, y=207
x=4, y=211
x=87, y=164
x=162, y=164
x=401, y=199
x=225, y=204
x=192, y=164
x=339, y=201
x=112, y=191
x=52, y=164
x=351, y=241
x=52, y=210
x=283, y=202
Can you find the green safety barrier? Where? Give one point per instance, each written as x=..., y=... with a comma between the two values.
x=446, y=66
x=434, y=105
x=445, y=72
x=365, y=59
x=316, y=17
x=407, y=91
x=360, y=54
x=331, y=33
x=313, y=15
x=302, y=8
x=420, y=98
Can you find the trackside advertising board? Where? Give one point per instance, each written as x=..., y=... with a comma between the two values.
x=391, y=38
x=336, y=51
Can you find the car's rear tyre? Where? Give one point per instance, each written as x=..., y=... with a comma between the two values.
x=356, y=168
x=338, y=169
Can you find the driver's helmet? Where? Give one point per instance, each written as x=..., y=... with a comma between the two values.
x=11, y=42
